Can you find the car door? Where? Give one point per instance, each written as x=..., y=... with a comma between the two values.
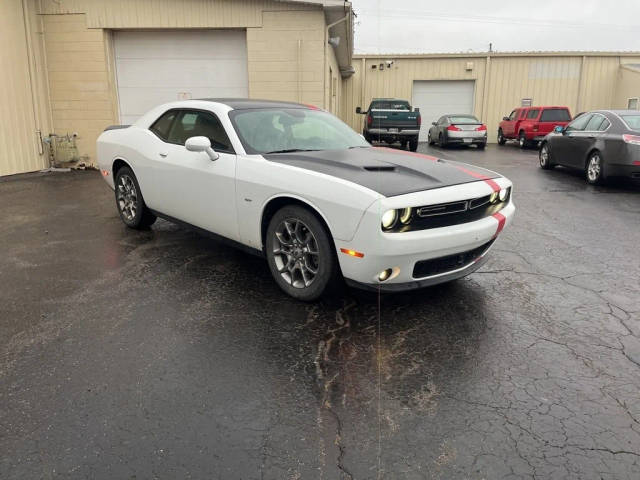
x=509, y=125
x=191, y=187
x=588, y=139
x=566, y=147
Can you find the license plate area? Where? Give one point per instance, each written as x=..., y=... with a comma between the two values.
x=393, y=130
x=467, y=140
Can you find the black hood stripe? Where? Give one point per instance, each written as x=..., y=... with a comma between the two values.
x=386, y=171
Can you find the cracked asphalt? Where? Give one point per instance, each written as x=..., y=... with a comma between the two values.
x=163, y=354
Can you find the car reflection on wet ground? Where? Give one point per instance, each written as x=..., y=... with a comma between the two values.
x=131, y=354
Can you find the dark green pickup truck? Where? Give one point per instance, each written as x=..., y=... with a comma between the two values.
x=391, y=120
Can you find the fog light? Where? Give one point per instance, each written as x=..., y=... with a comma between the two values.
x=503, y=194
x=385, y=274
x=405, y=215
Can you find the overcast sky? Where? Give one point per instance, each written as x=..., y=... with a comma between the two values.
x=409, y=26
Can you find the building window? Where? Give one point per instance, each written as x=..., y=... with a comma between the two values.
x=633, y=104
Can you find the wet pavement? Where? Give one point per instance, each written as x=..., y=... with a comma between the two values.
x=163, y=354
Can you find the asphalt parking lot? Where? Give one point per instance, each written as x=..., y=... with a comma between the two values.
x=163, y=354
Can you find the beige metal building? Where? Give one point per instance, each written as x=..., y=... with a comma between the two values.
x=77, y=66
x=491, y=85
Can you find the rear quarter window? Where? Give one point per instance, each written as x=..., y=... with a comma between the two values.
x=162, y=126
x=555, y=115
x=633, y=121
x=533, y=114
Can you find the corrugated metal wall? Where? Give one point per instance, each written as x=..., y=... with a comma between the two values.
x=19, y=151
x=579, y=82
x=628, y=87
x=170, y=13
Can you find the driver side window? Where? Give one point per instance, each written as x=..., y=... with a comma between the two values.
x=579, y=123
x=196, y=123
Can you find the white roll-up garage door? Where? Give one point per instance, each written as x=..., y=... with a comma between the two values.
x=163, y=66
x=437, y=98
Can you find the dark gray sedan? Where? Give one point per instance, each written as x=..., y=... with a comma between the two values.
x=603, y=144
x=461, y=129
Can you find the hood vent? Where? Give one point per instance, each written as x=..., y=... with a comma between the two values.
x=385, y=168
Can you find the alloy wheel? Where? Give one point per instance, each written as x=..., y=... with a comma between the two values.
x=544, y=156
x=594, y=168
x=127, y=197
x=296, y=254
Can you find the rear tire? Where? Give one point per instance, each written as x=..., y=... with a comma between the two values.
x=300, y=254
x=441, y=141
x=130, y=202
x=482, y=146
x=522, y=141
x=501, y=139
x=594, y=168
x=413, y=144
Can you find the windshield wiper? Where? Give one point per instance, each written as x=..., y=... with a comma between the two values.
x=291, y=150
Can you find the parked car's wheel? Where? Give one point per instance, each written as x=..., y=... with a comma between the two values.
x=300, y=253
x=594, y=168
x=441, y=141
x=367, y=137
x=431, y=142
x=129, y=201
x=545, y=157
x=522, y=141
x=413, y=144
x=482, y=146
x=501, y=139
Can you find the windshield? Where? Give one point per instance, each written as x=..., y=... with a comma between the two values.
x=632, y=120
x=292, y=129
x=463, y=119
x=390, y=105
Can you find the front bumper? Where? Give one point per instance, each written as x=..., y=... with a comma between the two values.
x=402, y=251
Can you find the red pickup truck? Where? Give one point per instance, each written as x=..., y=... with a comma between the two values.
x=529, y=125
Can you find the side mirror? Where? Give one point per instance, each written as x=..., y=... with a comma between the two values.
x=506, y=119
x=359, y=110
x=559, y=129
x=201, y=144
x=434, y=123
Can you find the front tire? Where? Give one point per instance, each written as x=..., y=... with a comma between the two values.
x=545, y=157
x=594, y=169
x=129, y=201
x=501, y=139
x=300, y=254
x=431, y=142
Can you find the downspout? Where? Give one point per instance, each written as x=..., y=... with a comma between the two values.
x=326, y=55
x=33, y=87
x=580, y=86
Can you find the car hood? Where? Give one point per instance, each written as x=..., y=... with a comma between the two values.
x=384, y=170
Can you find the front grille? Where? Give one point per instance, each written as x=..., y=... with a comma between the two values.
x=453, y=213
x=435, y=266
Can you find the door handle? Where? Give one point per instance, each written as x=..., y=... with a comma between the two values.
x=163, y=154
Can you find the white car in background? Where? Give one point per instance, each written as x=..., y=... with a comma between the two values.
x=295, y=184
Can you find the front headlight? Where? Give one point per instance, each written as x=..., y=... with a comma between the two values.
x=405, y=216
x=503, y=194
x=389, y=219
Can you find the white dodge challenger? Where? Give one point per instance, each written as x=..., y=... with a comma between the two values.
x=298, y=186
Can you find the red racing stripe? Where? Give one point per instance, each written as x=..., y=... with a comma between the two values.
x=501, y=221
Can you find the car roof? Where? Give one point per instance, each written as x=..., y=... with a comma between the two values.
x=249, y=103
x=544, y=107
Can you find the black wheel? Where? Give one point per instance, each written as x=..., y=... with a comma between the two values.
x=413, y=144
x=431, y=142
x=441, y=141
x=545, y=157
x=501, y=139
x=129, y=201
x=522, y=141
x=594, y=168
x=300, y=254
x=367, y=137
x=481, y=146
